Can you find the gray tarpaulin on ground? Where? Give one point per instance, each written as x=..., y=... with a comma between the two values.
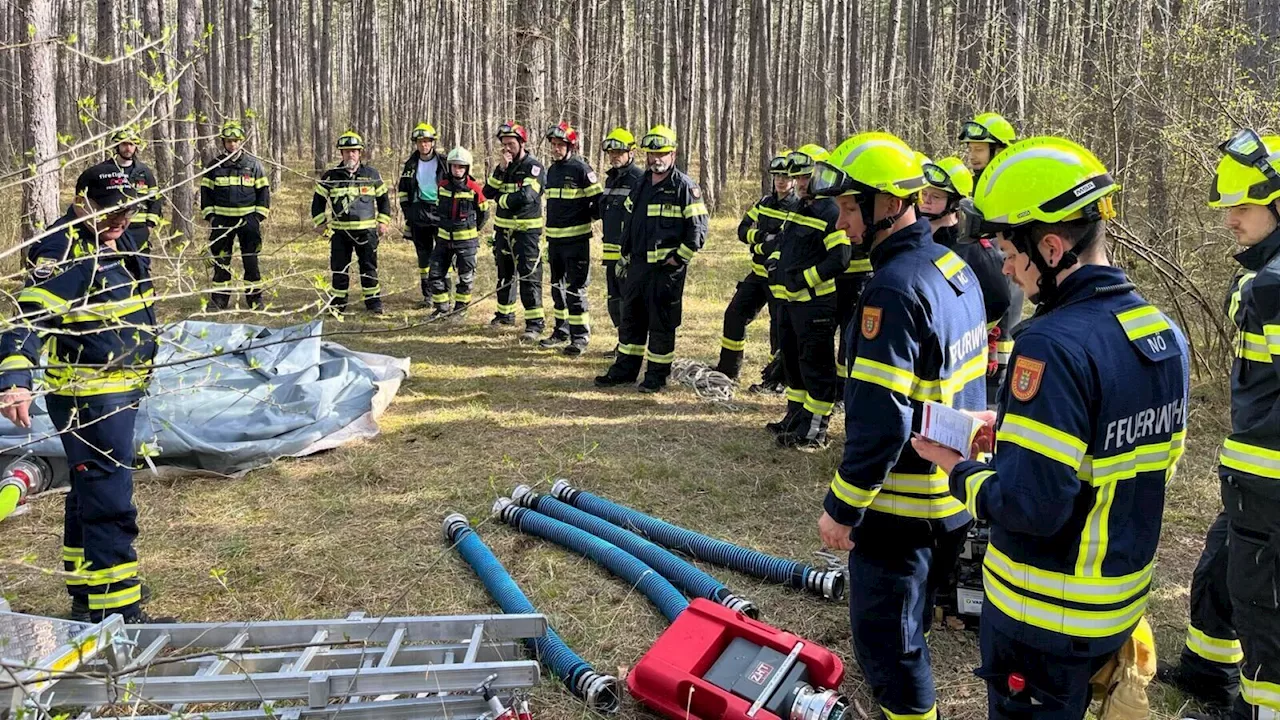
x=268, y=393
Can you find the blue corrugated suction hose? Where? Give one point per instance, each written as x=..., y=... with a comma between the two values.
x=680, y=572
x=660, y=592
x=827, y=583
x=601, y=692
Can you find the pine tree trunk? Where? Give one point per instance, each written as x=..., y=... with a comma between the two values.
x=40, y=136
x=183, y=196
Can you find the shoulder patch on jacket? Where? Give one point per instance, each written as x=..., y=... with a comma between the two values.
x=871, y=322
x=696, y=191
x=592, y=177
x=1149, y=331
x=535, y=171
x=1024, y=381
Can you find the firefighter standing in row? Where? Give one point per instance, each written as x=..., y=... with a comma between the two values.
x=665, y=226
x=87, y=301
x=1235, y=591
x=573, y=194
x=920, y=335
x=235, y=197
x=759, y=230
x=810, y=253
x=423, y=173
x=849, y=286
x=352, y=199
x=126, y=144
x=950, y=182
x=623, y=176
x=1091, y=425
x=516, y=184
x=462, y=210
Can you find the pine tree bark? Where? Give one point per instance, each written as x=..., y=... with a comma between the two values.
x=188, y=49
x=40, y=135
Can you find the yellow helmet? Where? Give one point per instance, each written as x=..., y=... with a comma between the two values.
x=423, y=131
x=659, y=139
x=1250, y=172
x=231, y=130
x=869, y=163
x=1044, y=179
x=805, y=158
x=950, y=175
x=619, y=140
x=350, y=140
x=988, y=128
x=779, y=164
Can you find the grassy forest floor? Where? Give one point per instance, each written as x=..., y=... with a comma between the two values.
x=359, y=527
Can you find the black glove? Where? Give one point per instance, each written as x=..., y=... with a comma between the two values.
x=620, y=270
x=795, y=281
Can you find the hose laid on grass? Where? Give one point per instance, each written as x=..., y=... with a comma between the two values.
x=658, y=589
x=827, y=583
x=683, y=575
x=601, y=692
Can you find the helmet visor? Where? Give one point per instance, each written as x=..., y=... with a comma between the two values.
x=975, y=132
x=657, y=143
x=509, y=130
x=1246, y=148
x=939, y=178
x=780, y=165
x=614, y=145
x=830, y=181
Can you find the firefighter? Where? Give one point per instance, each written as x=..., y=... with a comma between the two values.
x=1091, y=425
x=666, y=225
x=1235, y=614
x=573, y=196
x=87, y=302
x=758, y=229
x=423, y=173
x=810, y=253
x=126, y=145
x=623, y=176
x=352, y=199
x=949, y=183
x=985, y=136
x=462, y=210
x=920, y=335
x=235, y=197
x=516, y=182
x=849, y=286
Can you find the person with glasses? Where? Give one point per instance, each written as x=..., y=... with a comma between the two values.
x=1091, y=424
x=516, y=181
x=809, y=253
x=87, y=303
x=950, y=182
x=758, y=230
x=126, y=144
x=623, y=176
x=919, y=336
x=1231, y=657
x=666, y=225
x=573, y=195
x=358, y=213
x=235, y=197
x=424, y=171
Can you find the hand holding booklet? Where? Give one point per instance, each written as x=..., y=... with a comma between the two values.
x=952, y=428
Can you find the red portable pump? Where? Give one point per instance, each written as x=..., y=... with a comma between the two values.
x=717, y=664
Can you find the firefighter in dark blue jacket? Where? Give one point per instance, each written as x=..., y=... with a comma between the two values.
x=759, y=230
x=573, y=192
x=809, y=254
x=126, y=144
x=1091, y=425
x=920, y=335
x=622, y=177
x=352, y=200
x=235, y=197
x=87, y=302
x=516, y=183
x=1235, y=591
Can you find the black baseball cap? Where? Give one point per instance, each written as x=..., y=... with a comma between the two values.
x=106, y=185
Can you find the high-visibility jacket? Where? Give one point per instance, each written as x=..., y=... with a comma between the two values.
x=1092, y=422
x=809, y=252
x=234, y=187
x=618, y=184
x=919, y=334
x=357, y=200
x=666, y=220
x=517, y=192
x=462, y=208
x=144, y=182
x=573, y=193
x=89, y=308
x=760, y=227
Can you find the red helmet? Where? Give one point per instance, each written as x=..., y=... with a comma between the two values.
x=513, y=129
x=563, y=131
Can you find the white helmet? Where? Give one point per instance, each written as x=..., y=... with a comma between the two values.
x=460, y=156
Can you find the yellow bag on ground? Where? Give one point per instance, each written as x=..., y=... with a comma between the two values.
x=1121, y=684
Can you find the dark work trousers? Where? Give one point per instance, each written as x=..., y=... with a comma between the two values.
x=804, y=332
x=100, y=523
x=570, y=275
x=518, y=256
x=424, y=241
x=613, y=292
x=751, y=296
x=448, y=253
x=222, y=245
x=652, y=306
x=364, y=243
x=1057, y=684
x=1211, y=654
x=1253, y=582
x=848, y=292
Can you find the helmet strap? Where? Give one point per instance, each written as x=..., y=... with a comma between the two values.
x=953, y=204
x=1274, y=212
x=867, y=203
x=1048, y=282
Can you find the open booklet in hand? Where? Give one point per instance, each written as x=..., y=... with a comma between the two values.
x=949, y=427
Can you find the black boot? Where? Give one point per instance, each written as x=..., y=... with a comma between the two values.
x=501, y=319
x=730, y=364
x=557, y=337
x=623, y=371
x=1215, y=698
x=576, y=347
x=788, y=421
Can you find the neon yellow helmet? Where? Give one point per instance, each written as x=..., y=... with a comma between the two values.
x=988, y=128
x=1044, y=179
x=231, y=130
x=350, y=140
x=869, y=163
x=779, y=164
x=805, y=158
x=619, y=140
x=950, y=175
x=659, y=139
x=459, y=156
x=126, y=135
x=423, y=131
x=1250, y=172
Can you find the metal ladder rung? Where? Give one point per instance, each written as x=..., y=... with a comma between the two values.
x=217, y=664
